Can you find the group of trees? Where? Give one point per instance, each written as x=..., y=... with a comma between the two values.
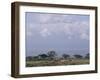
x=51, y=55
x=66, y=56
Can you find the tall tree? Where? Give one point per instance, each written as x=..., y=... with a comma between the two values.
x=87, y=56
x=43, y=56
x=51, y=54
x=66, y=56
x=78, y=56
x=29, y=58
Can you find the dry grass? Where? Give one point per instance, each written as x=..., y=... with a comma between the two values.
x=57, y=62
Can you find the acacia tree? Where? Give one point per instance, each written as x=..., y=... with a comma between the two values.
x=42, y=56
x=66, y=56
x=78, y=56
x=51, y=54
x=87, y=56
x=36, y=58
x=29, y=58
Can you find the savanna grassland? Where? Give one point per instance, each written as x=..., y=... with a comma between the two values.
x=57, y=62
x=51, y=59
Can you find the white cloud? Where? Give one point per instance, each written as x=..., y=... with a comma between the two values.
x=44, y=19
x=68, y=29
x=66, y=25
x=77, y=29
x=31, y=26
x=45, y=32
x=69, y=37
x=84, y=36
x=29, y=33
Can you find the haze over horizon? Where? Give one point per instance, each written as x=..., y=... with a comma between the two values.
x=63, y=33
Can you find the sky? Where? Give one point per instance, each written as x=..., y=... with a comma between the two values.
x=64, y=33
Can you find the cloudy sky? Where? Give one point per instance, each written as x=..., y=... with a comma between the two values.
x=64, y=33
